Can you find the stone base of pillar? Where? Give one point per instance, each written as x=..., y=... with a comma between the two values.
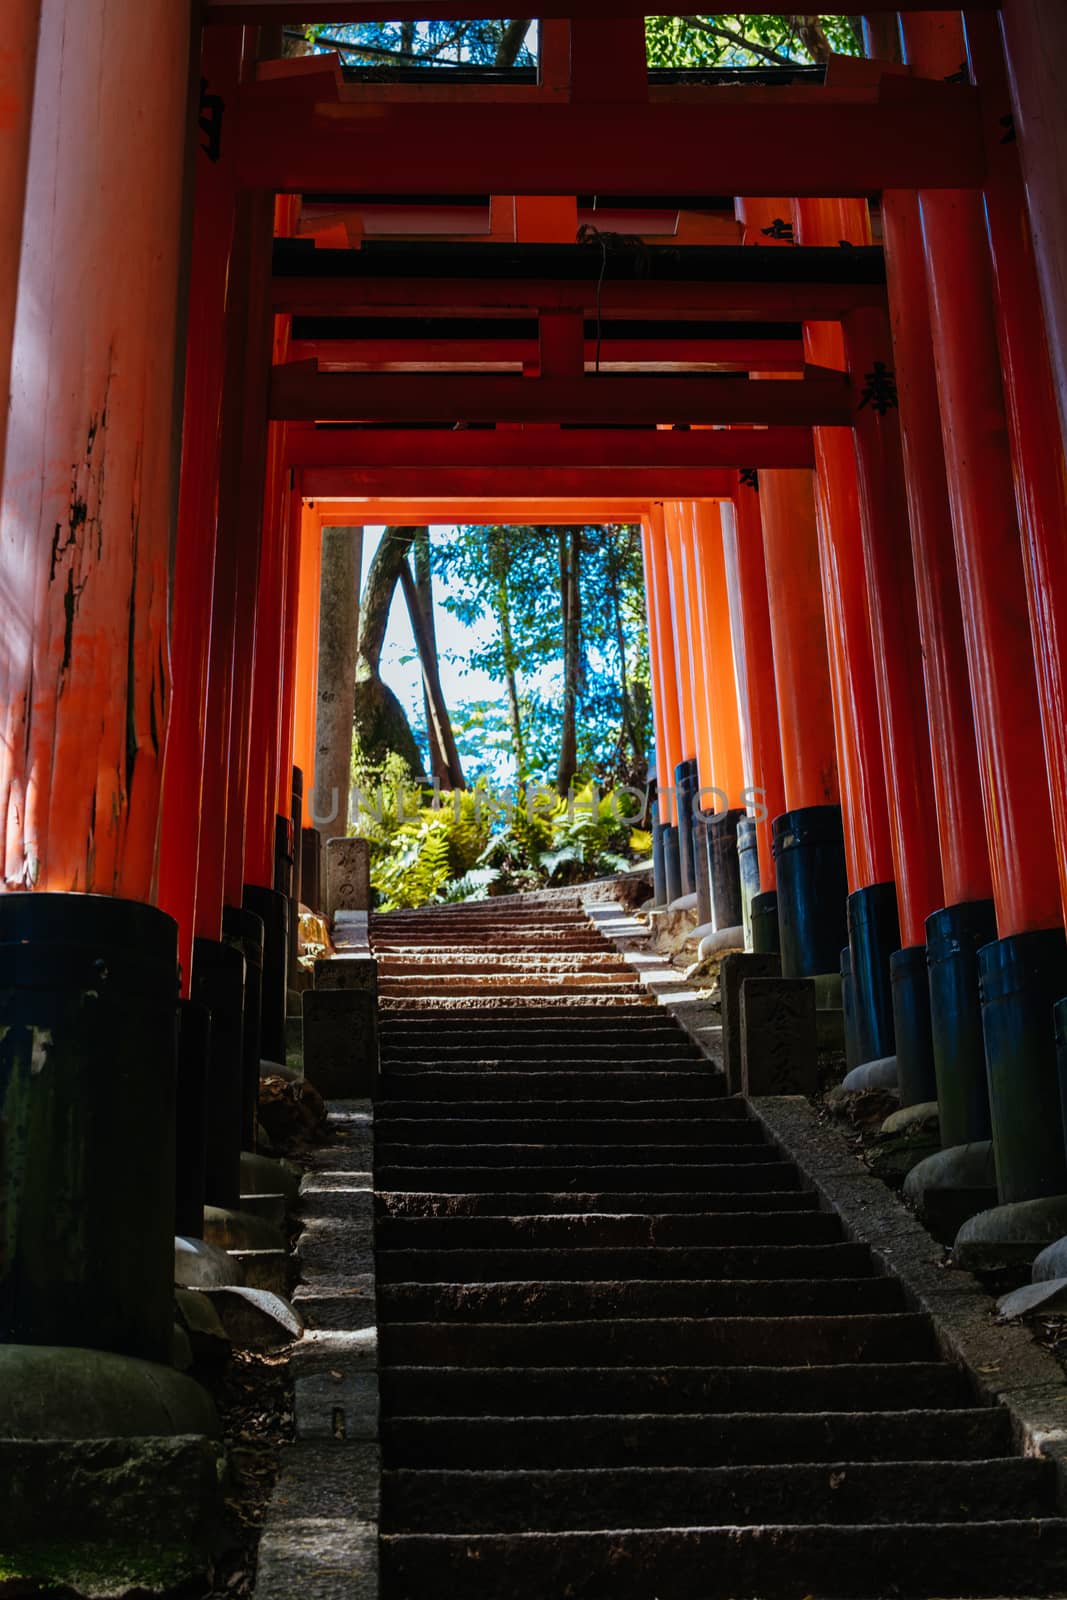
x=911, y=1025
x=272, y=908
x=1011, y=1235
x=848, y=1011
x=954, y=935
x=809, y=849
x=873, y=935
x=702, y=826
x=766, y=940
x=947, y=1189
x=686, y=784
x=725, y=865
x=190, y=1142
x=659, y=870
x=310, y=868
x=672, y=866
x=89, y=1031
x=748, y=865
x=246, y=933
x=1022, y=978
x=219, y=985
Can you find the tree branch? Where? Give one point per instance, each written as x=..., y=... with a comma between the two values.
x=511, y=41
x=729, y=36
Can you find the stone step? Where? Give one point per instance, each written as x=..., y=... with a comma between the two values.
x=538, y=1203
x=645, y=1021
x=657, y=1389
x=630, y=1083
x=533, y=1018
x=446, y=1113
x=775, y=1341
x=514, y=1003
x=576, y=1046
x=598, y=1230
x=654, y=1497
x=531, y=1394
x=429, y=984
x=866, y=1561
x=702, y=1174
x=571, y=1300
x=564, y=1059
x=692, y=1154
x=738, y=1438
x=714, y=1263
x=515, y=962
x=521, y=1131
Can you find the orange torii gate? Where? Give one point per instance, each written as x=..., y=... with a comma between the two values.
x=895, y=527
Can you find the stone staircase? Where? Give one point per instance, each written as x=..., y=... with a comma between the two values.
x=624, y=1353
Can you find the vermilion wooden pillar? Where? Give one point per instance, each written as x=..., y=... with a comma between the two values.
x=726, y=770
x=872, y=905
x=1037, y=450
x=287, y=719
x=661, y=641
x=801, y=668
x=1035, y=33
x=1025, y=970
x=194, y=562
x=808, y=846
x=956, y=930
x=680, y=515
x=679, y=561
x=247, y=356
x=746, y=534
x=307, y=648
x=18, y=60
x=964, y=856
x=683, y=654
x=87, y=516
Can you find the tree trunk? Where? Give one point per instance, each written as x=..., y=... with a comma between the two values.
x=511, y=41
x=812, y=36
x=342, y=552
x=497, y=537
x=571, y=605
x=381, y=723
x=630, y=727
x=424, y=590
x=439, y=721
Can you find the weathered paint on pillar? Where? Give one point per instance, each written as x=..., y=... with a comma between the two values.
x=1016, y=803
x=745, y=530
x=864, y=805
x=86, y=526
x=727, y=771
x=801, y=667
x=194, y=563
x=961, y=832
x=18, y=61
x=902, y=714
x=1033, y=420
x=307, y=645
x=661, y=651
x=1035, y=34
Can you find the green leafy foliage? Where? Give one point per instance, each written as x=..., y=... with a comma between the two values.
x=743, y=39
x=428, y=847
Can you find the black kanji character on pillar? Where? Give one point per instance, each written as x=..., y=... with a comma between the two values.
x=880, y=389
x=779, y=229
x=212, y=107
x=750, y=478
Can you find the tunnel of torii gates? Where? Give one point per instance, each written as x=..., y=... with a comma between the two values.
x=813, y=338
